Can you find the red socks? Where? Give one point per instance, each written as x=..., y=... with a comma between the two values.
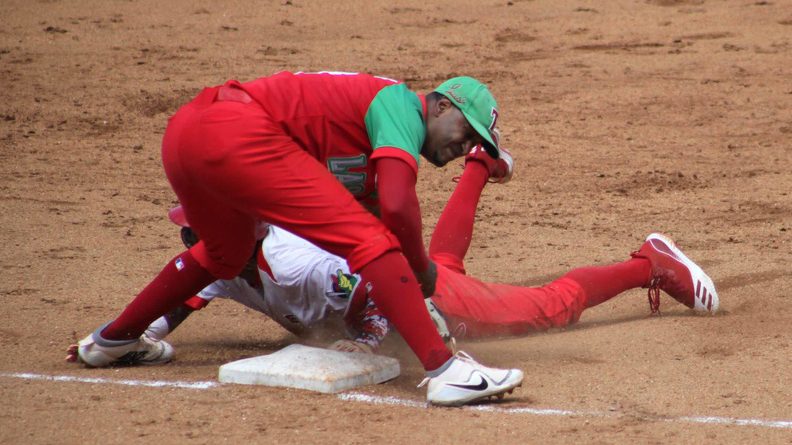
x=391, y=284
x=454, y=230
x=179, y=280
x=601, y=283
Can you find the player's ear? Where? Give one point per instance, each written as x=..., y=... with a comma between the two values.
x=437, y=104
x=442, y=105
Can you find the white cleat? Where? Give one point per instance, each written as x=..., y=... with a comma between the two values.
x=462, y=380
x=98, y=352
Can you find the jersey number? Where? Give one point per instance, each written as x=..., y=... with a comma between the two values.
x=355, y=182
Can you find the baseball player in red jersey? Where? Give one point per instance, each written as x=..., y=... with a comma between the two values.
x=299, y=282
x=472, y=308
x=296, y=150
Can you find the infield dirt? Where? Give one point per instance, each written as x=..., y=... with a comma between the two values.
x=625, y=117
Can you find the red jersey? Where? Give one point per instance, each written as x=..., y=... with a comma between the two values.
x=345, y=119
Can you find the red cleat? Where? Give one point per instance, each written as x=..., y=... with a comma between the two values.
x=678, y=276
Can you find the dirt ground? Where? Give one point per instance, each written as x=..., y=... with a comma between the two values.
x=625, y=117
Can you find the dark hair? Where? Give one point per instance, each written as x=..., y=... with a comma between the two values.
x=434, y=95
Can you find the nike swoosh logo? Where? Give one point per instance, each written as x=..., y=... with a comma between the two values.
x=480, y=387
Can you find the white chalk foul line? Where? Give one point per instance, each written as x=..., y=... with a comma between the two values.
x=359, y=397
x=786, y=424
x=365, y=398
x=150, y=383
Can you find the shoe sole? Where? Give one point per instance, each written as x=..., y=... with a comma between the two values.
x=705, y=298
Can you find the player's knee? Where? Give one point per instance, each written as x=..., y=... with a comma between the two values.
x=224, y=264
x=371, y=250
x=226, y=271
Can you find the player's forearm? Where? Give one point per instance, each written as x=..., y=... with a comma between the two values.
x=400, y=210
x=166, y=324
x=405, y=223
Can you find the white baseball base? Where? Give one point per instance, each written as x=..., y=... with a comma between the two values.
x=314, y=369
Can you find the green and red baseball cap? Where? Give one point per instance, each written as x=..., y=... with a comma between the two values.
x=478, y=105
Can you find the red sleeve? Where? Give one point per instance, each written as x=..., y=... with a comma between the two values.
x=396, y=153
x=399, y=208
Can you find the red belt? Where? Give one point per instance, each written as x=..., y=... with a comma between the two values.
x=226, y=93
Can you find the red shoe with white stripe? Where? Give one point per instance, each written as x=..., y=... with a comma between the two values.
x=678, y=276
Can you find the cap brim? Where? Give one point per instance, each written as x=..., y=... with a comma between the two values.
x=483, y=131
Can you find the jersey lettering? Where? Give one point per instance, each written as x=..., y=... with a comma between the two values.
x=355, y=182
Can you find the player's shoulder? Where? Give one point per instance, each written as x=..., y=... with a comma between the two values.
x=398, y=96
x=349, y=75
x=349, y=80
x=318, y=78
x=395, y=118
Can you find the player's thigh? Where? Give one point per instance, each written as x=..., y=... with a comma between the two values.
x=191, y=149
x=260, y=171
x=237, y=157
x=449, y=261
x=489, y=309
x=303, y=197
x=227, y=235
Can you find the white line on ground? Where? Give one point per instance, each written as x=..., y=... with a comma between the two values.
x=377, y=400
x=153, y=383
x=358, y=397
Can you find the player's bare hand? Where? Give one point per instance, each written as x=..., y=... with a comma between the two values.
x=428, y=279
x=71, y=354
x=351, y=346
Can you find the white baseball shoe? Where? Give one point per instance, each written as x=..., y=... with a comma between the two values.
x=677, y=275
x=98, y=352
x=462, y=380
